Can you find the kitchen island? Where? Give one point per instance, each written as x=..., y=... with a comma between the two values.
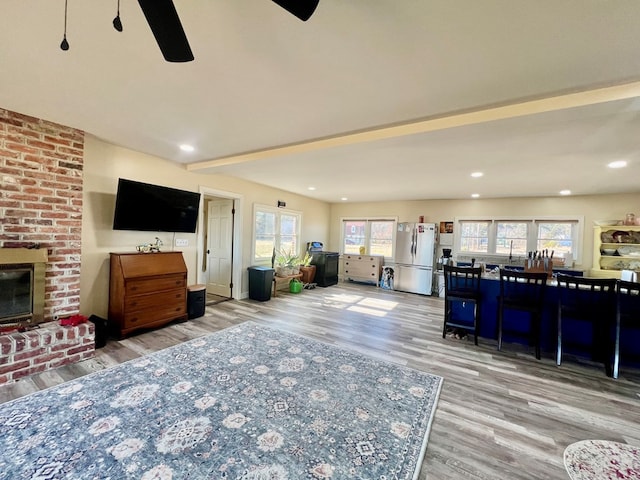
x=519, y=322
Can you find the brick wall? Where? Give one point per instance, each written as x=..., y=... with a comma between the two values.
x=50, y=346
x=41, y=200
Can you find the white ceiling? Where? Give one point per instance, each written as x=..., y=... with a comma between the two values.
x=262, y=79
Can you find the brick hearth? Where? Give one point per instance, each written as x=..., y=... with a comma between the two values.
x=40, y=349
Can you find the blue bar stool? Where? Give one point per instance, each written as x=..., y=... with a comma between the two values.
x=523, y=292
x=593, y=301
x=627, y=316
x=462, y=284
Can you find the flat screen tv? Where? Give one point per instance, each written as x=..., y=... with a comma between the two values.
x=153, y=208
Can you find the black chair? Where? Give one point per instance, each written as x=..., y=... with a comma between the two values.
x=523, y=292
x=627, y=316
x=462, y=284
x=590, y=300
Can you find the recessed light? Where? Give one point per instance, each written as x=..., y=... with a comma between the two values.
x=617, y=164
x=186, y=148
x=565, y=192
x=344, y=199
x=477, y=174
x=311, y=188
x=475, y=195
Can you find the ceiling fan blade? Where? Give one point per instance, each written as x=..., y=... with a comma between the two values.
x=303, y=9
x=166, y=27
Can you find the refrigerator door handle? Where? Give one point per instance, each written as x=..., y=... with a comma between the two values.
x=414, y=244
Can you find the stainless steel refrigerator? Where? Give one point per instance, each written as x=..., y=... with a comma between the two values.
x=414, y=257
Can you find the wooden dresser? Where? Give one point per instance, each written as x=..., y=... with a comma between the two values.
x=362, y=268
x=146, y=290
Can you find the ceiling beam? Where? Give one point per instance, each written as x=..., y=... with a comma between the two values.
x=456, y=119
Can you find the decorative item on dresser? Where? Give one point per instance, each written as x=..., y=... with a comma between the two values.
x=362, y=268
x=146, y=290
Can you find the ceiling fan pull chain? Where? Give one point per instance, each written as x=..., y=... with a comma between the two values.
x=65, y=45
x=117, y=24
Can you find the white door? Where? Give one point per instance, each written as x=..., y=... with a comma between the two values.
x=219, y=246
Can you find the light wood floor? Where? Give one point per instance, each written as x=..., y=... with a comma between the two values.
x=501, y=415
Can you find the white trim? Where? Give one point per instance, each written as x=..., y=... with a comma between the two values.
x=578, y=233
x=278, y=211
x=237, y=237
x=368, y=219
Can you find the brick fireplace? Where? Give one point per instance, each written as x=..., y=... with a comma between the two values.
x=41, y=166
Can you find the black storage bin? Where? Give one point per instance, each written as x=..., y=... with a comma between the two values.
x=260, y=282
x=101, y=330
x=196, y=300
x=326, y=268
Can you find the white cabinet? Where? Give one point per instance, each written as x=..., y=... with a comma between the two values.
x=615, y=248
x=362, y=268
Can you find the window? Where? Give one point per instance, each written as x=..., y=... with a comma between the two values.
x=376, y=236
x=517, y=237
x=474, y=236
x=511, y=238
x=556, y=237
x=275, y=228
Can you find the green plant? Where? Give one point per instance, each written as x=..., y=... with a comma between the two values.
x=287, y=259
x=306, y=261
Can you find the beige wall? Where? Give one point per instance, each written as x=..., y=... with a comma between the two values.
x=594, y=207
x=104, y=163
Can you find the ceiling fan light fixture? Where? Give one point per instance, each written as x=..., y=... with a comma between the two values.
x=303, y=9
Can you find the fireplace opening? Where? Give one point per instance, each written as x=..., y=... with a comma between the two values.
x=22, y=286
x=16, y=293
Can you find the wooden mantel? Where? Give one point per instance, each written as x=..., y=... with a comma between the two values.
x=23, y=255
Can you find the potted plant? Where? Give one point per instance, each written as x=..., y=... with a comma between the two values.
x=307, y=270
x=287, y=263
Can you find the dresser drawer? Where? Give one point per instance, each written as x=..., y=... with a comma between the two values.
x=144, y=317
x=361, y=272
x=154, y=300
x=140, y=286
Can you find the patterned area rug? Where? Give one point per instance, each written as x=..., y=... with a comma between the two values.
x=249, y=402
x=602, y=460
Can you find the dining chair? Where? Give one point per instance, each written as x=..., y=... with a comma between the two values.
x=522, y=292
x=592, y=301
x=462, y=286
x=627, y=318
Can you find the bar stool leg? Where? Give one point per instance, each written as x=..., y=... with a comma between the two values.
x=559, y=349
x=500, y=315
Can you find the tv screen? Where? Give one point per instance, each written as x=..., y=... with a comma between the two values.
x=153, y=208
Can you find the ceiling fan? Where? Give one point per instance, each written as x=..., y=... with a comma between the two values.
x=164, y=22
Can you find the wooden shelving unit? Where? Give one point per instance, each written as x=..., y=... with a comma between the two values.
x=615, y=248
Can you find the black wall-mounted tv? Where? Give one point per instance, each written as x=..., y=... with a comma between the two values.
x=153, y=208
